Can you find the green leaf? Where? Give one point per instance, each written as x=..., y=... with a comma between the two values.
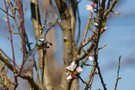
x=103, y=23
x=90, y=27
x=90, y=23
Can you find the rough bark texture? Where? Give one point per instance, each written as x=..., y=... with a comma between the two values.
x=67, y=29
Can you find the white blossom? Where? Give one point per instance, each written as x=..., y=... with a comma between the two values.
x=105, y=28
x=72, y=66
x=96, y=24
x=89, y=8
x=69, y=77
x=91, y=58
x=79, y=69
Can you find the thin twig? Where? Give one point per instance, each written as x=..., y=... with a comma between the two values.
x=109, y=9
x=82, y=79
x=85, y=33
x=108, y=4
x=12, y=46
x=92, y=46
x=96, y=62
x=91, y=77
x=5, y=12
x=96, y=40
x=11, y=36
x=118, y=77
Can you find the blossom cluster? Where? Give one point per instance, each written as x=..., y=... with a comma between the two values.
x=90, y=7
x=73, y=70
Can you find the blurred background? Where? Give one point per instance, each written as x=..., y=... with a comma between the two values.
x=119, y=37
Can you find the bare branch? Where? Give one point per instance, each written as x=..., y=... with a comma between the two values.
x=82, y=80
x=91, y=78
x=110, y=8
x=85, y=33
x=7, y=63
x=32, y=82
x=118, y=77
x=12, y=46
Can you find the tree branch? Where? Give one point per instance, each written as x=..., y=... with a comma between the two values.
x=35, y=16
x=110, y=8
x=85, y=33
x=118, y=77
x=12, y=46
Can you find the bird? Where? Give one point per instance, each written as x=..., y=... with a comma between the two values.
x=51, y=19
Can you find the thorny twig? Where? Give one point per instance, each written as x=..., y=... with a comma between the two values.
x=118, y=77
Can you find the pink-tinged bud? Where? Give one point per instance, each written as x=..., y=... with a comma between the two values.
x=89, y=8
x=93, y=4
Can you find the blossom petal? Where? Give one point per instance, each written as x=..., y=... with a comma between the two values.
x=69, y=77
x=79, y=69
x=96, y=71
x=105, y=28
x=91, y=58
x=96, y=24
x=89, y=8
x=72, y=66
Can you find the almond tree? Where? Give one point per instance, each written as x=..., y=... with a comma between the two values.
x=64, y=13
